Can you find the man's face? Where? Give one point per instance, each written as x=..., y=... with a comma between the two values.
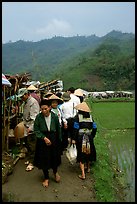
x=24, y=97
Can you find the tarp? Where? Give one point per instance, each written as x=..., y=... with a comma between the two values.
x=34, y=83
x=5, y=81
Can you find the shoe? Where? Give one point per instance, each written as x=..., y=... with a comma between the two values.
x=46, y=183
x=81, y=177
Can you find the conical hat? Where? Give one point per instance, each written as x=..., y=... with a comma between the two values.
x=54, y=97
x=83, y=107
x=49, y=93
x=31, y=88
x=78, y=92
x=19, y=130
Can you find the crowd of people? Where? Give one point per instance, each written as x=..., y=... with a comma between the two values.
x=51, y=123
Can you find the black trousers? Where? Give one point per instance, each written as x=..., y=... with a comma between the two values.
x=46, y=172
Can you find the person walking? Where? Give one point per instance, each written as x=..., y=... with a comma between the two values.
x=79, y=93
x=34, y=92
x=48, y=144
x=75, y=99
x=67, y=114
x=84, y=132
x=55, y=102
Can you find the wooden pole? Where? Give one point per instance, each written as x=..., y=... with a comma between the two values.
x=8, y=124
x=4, y=119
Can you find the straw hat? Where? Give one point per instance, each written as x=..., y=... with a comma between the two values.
x=78, y=92
x=49, y=93
x=32, y=88
x=54, y=97
x=19, y=130
x=66, y=96
x=83, y=107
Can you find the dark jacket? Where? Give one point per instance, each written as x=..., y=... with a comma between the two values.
x=47, y=157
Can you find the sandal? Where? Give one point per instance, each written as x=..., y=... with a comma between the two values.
x=29, y=167
x=46, y=183
x=57, y=177
x=81, y=177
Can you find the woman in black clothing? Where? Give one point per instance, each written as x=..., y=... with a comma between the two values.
x=84, y=132
x=48, y=145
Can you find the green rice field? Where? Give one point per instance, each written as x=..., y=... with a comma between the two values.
x=116, y=129
x=114, y=115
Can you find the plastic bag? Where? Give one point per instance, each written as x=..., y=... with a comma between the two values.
x=71, y=153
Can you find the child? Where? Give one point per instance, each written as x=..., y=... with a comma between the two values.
x=55, y=101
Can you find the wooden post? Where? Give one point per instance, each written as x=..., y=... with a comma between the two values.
x=7, y=132
x=4, y=120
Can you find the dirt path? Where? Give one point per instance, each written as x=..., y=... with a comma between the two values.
x=23, y=186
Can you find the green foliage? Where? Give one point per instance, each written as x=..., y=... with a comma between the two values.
x=91, y=63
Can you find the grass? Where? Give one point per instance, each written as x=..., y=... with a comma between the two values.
x=111, y=115
x=112, y=119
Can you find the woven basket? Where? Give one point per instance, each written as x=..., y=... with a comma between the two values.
x=19, y=130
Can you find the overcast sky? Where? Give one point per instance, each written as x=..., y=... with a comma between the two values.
x=35, y=21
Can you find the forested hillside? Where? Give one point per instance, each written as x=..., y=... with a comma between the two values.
x=92, y=63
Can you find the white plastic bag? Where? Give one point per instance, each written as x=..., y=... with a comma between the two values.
x=71, y=153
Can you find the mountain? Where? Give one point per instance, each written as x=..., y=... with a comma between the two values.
x=92, y=63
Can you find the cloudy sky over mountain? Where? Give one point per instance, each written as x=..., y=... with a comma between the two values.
x=34, y=21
